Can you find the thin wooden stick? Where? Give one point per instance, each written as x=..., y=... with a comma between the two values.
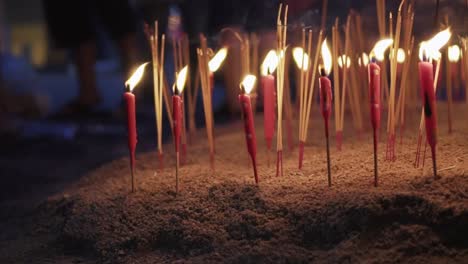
x=281, y=50
x=345, y=73
x=312, y=83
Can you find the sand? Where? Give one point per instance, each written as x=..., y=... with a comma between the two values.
x=222, y=216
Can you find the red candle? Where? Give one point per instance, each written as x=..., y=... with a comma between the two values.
x=325, y=99
x=374, y=93
x=249, y=128
x=177, y=114
x=269, y=99
x=426, y=79
x=129, y=98
x=131, y=124
x=325, y=93
x=374, y=99
x=177, y=117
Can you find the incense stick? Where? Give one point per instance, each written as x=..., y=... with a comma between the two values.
x=281, y=51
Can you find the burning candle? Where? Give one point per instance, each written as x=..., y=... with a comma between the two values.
x=326, y=96
x=177, y=114
x=129, y=98
x=428, y=51
x=215, y=63
x=344, y=60
x=373, y=70
x=269, y=98
x=246, y=106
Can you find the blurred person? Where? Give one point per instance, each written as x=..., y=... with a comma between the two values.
x=73, y=24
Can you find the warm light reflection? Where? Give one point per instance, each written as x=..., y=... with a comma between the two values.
x=181, y=77
x=326, y=57
x=301, y=58
x=430, y=49
x=401, y=56
x=454, y=53
x=379, y=49
x=217, y=60
x=363, y=60
x=344, y=59
x=248, y=83
x=270, y=63
x=136, y=77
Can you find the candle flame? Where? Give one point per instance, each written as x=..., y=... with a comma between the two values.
x=363, y=60
x=217, y=60
x=454, y=53
x=301, y=58
x=344, y=59
x=379, y=49
x=401, y=56
x=136, y=77
x=181, y=77
x=269, y=63
x=326, y=57
x=248, y=83
x=431, y=48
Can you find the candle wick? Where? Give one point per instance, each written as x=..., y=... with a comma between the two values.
x=322, y=72
x=242, y=88
x=127, y=88
x=373, y=59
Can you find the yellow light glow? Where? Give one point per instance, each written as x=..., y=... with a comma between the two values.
x=363, y=60
x=454, y=53
x=301, y=58
x=431, y=47
x=181, y=77
x=217, y=60
x=379, y=49
x=248, y=83
x=269, y=63
x=136, y=77
x=326, y=57
x=401, y=56
x=342, y=59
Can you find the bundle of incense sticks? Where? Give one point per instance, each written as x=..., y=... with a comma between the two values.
x=390, y=153
x=336, y=84
x=158, y=77
x=281, y=51
x=465, y=66
x=307, y=87
x=203, y=58
x=407, y=45
x=191, y=95
x=288, y=108
x=345, y=80
x=254, y=68
x=149, y=32
x=381, y=19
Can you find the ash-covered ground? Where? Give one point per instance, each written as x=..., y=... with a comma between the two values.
x=222, y=216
